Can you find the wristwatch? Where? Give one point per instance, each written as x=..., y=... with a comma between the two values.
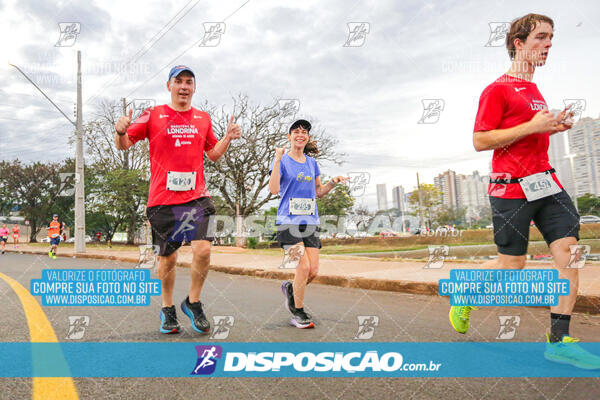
x=120, y=134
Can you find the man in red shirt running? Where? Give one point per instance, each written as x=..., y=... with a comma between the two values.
x=514, y=121
x=179, y=206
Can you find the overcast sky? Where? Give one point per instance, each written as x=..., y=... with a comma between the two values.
x=369, y=96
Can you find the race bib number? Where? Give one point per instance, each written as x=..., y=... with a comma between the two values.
x=300, y=206
x=538, y=186
x=181, y=181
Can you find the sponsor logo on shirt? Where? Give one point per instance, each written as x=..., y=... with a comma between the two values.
x=301, y=177
x=162, y=115
x=181, y=129
x=519, y=89
x=197, y=116
x=537, y=105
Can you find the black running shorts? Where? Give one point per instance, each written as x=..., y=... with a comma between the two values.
x=288, y=235
x=176, y=224
x=555, y=216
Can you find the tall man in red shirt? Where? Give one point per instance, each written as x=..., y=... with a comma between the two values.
x=179, y=206
x=514, y=121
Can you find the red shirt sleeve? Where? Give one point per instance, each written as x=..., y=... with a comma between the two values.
x=491, y=108
x=138, y=130
x=211, y=140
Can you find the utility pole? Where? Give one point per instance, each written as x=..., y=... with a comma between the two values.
x=79, y=163
x=421, y=219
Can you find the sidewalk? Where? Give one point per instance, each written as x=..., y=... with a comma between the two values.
x=346, y=271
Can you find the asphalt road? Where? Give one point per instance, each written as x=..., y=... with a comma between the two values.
x=260, y=315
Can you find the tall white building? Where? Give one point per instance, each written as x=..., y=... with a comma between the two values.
x=382, y=203
x=398, y=197
x=557, y=155
x=584, y=142
x=446, y=183
x=472, y=193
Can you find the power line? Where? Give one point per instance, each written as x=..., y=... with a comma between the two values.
x=188, y=49
x=134, y=58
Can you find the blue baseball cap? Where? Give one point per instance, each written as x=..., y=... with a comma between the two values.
x=175, y=71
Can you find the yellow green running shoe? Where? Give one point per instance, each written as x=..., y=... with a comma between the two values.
x=567, y=351
x=50, y=254
x=459, y=317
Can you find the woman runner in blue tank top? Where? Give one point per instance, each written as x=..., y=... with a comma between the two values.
x=295, y=175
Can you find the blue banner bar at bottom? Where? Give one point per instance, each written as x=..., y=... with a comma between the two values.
x=291, y=359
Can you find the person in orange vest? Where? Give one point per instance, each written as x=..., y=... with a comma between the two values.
x=54, y=230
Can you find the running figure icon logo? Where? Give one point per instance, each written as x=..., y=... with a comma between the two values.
x=212, y=34
x=366, y=326
x=291, y=256
x=68, y=34
x=207, y=359
x=576, y=106
x=357, y=34
x=437, y=255
x=358, y=182
x=579, y=253
x=508, y=326
x=140, y=105
x=498, y=32
x=148, y=256
x=223, y=324
x=498, y=187
x=67, y=183
x=432, y=109
x=185, y=227
x=77, y=325
x=288, y=108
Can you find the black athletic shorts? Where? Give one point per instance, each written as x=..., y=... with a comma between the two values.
x=288, y=235
x=555, y=216
x=176, y=224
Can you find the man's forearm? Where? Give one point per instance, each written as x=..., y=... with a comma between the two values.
x=122, y=141
x=220, y=148
x=490, y=140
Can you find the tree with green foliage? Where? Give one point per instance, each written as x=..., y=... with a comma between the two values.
x=121, y=177
x=337, y=202
x=431, y=200
x=451, y=216
x=588, y=204
x=35, y=189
